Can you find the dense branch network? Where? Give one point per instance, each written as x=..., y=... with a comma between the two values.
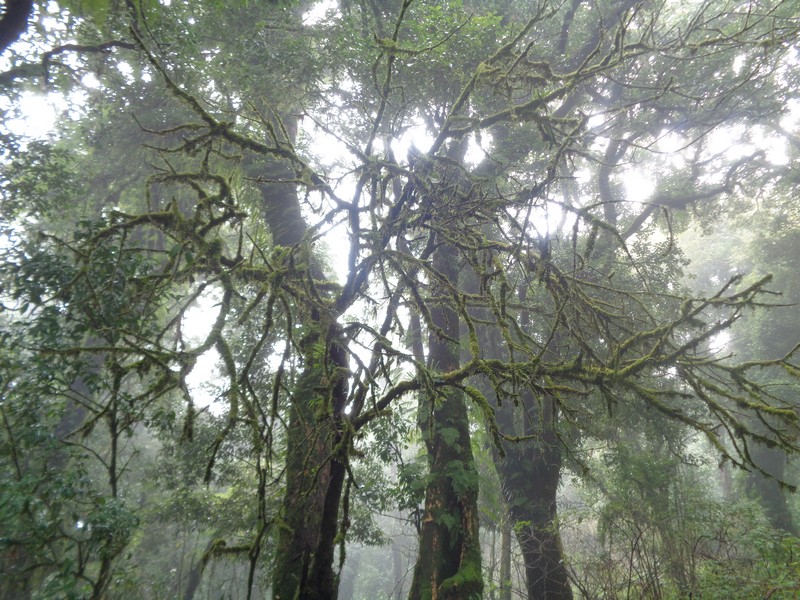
x=609, y=339
x=568, y=318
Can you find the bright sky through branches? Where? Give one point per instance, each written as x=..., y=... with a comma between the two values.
x=39, y=115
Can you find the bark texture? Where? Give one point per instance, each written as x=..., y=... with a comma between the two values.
x=529, y=474
x=315, y=470
x=449, y=562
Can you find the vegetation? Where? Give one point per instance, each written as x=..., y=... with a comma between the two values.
x=501, y=294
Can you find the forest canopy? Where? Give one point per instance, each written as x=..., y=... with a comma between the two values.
x=399, y=299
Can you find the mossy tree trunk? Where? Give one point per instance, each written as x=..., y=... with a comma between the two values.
x=529, y=474
x=315, y=468
x=449, y=561
x=529, y=471
x=314, y=480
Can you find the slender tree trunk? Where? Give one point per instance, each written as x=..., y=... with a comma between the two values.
x=449, y=562
x=492, y=566
x=397, y=570
x=505, y=560
x=726, y=481
x=349, y=575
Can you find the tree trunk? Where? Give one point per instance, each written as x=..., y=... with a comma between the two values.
x=315, y=471
x=315, y=475
x=347, y=585
x=770, y=494
x=492, y=566
x=307, y=480
x=397, y=570
x=14, y=21
x=449, y=561
x=505, y=560
x=529, y=474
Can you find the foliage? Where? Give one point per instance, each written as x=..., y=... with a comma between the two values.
x=465, y=166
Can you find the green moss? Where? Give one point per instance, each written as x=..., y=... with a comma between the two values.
x=467, y=583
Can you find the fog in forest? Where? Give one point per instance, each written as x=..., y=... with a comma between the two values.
x=399, y=299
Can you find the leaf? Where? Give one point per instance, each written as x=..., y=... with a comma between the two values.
x=450, y=435
x=96, y=10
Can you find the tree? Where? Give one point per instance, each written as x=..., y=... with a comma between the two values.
x=458, y=285
x=768, y=246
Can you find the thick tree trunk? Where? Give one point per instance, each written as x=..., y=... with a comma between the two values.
x=315, y=471
x=529, y=474
x=306, y=483
x=315, y=478
x=449, y=561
